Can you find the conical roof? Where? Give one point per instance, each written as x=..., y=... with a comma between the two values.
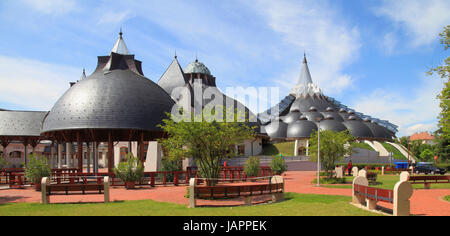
x=305, y=76
x=83, y=75
x=173, y=77
x=305, y=86
x=120, y=47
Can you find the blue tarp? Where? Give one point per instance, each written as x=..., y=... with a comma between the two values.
x=401, y=165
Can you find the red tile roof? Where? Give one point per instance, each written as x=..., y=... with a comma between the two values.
x=421, y=136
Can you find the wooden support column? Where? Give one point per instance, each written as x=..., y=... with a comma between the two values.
x=79, y=153
x=141, y=148
x=25, y=144
x=88, y=157
x=110, y=153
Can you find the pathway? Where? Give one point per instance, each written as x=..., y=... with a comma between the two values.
x=423, y=202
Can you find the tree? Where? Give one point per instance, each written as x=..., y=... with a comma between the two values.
x=443, y=133
x=278, y=165
x=404, y=141
x=205, y=140
x=251, y=168
x=3, y=162
x=333, y=146
x=426, y=155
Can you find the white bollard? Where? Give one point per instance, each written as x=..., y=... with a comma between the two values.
x=45, y=199
x=402, y=192
x=363, y=173
x=192, y=201
x=355, y=171
x=359, y=180
x=339, y=171
x=106, y=188
x=277, y=197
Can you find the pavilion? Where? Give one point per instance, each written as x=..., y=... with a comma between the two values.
x=115, y=103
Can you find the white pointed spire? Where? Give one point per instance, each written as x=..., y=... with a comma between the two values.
x=305, y=76
x=120, y=47
x=305, y=86
x=83, y=75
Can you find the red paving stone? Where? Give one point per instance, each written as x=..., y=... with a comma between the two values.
x=427, y=202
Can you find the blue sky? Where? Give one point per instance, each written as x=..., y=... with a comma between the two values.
x=370, y=55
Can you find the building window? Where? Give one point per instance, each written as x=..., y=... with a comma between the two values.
x=241, y=150
x=15, y=154
x=302, y=151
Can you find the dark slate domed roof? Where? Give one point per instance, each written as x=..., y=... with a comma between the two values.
x=276, y=129
x=333, y=115
x=301, y=129
x=306, y=103
x=332, y=125
x=291, y=117
x=377, y=130
x=358, y=129
x=115, y=96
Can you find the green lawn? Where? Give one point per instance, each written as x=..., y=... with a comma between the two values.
x=397, y=154
x=294, y=205
x=285, y=148
x=447, y=198
x=386, y=182
x=363, y=146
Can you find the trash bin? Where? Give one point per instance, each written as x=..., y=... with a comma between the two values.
x=401, y=165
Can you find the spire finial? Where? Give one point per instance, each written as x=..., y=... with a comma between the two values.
x=120, y=47
x=196, y=57
x=304, y=57
x=83, y=75
x=175, y=54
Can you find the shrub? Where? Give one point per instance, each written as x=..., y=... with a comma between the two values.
x=131, y=170
x=170, y=165
x=37, y=168
x=251, y=169
x=278, y=165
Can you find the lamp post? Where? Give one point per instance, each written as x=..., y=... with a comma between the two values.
x=318, y=151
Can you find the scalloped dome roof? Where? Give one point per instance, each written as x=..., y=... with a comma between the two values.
x=196, y=67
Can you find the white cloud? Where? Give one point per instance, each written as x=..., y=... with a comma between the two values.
x=51, y=7
x=414, y=111
x=389, y=43
x=418, y=128
x=33, y=84
x=422, y=20
x=113, y=18
x=330, y=43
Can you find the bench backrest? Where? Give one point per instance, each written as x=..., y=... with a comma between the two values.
x=378, y=194
x=429, y=178
x=237, y=190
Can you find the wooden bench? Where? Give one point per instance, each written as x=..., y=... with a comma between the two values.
x=212, y=192
x=17, y=180
x=372, y=177
x=275, y=188
x=367, y=196
x=376, y=194
x=5, y=174
x=428, y=180
x=75, y=186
